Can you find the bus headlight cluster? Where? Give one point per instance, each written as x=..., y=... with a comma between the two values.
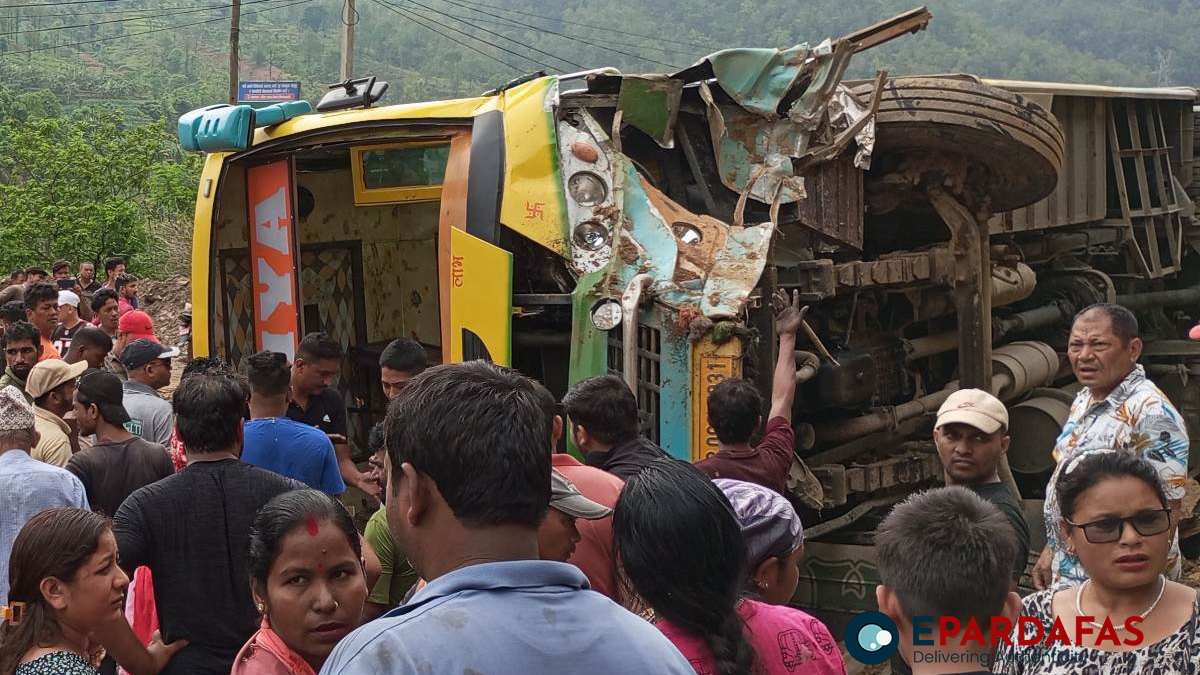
x=587, y=189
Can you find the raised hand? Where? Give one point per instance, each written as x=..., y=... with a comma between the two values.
x=789, y=315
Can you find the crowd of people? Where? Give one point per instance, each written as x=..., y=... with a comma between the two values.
x=204, y=535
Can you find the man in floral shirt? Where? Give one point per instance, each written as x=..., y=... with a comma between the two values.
x=1118, y=408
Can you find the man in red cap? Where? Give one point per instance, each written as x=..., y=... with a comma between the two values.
x=133, y=326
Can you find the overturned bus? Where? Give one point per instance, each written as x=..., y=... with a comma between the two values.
x=943, y=230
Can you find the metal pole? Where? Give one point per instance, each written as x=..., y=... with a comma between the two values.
x=349, y=18
x=233, y=51
x=974, y=307
x=970, y=240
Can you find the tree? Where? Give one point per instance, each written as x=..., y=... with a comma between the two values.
x=83, y=189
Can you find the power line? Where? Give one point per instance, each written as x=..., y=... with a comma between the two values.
x=574, y=38
x=144, y=32
x=656, y=38
x=103, y=11
x=134, y=18
x=491, y=32
x=417, y=21
x=465, y=4
x=413, y=17
x=56, y=4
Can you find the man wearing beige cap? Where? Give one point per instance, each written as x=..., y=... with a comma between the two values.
x=971, y=435
x=27, y=486
x=52, y=385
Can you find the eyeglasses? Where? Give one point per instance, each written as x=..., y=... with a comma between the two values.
x=1108, y=530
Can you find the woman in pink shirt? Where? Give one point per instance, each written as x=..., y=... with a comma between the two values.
x=306, y=575
x=682, y=549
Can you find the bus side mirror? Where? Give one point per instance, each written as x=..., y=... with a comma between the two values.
x=217, y=128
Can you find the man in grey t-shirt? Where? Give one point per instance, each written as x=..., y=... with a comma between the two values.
x=148, y=364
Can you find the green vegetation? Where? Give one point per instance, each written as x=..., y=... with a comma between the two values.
x=87, y=186
x=86, y=112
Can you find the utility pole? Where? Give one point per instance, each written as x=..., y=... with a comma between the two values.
x=233, y=52
x=349, y=18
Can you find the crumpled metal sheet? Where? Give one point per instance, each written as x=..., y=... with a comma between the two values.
x=845, y=111
x=755, y=146
x=716, y=273
x=828, y=63
x=758, y=79
x=651, y=103
x=736, y=270
x=755, y=153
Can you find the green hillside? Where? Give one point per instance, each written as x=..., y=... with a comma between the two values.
x=90, y=89
x=439, y=48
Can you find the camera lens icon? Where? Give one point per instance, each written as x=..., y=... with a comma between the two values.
x=871, y=638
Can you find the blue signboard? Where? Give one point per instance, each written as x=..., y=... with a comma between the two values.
x=268, y=91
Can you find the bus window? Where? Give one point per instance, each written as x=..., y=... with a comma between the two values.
x=395, y=173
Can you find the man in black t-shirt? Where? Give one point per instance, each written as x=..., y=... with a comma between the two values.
x=192, y=529
x=118, y=462
x=69, y=322
x=971, y=435
x=314, y=401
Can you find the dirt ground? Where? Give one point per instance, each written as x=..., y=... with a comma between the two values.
x=165, y=301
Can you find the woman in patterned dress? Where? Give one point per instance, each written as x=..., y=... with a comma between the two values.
x=1115, y=517
x=65, y=584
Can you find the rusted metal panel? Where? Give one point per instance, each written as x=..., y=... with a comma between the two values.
x=651, y=103
x=835, y=201
x=820, y=279
x=1081, y=195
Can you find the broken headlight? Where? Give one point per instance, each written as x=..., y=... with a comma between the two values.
x=591, y=235
x=606, y=315
x=587, y=189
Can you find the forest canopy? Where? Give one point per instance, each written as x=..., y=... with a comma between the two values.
x=90, y=91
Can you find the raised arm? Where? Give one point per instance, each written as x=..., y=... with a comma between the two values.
x=788, y=318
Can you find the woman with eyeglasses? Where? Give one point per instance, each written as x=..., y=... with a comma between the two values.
x=1117, y=521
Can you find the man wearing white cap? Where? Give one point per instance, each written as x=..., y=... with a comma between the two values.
x=69, y=321
x=52, y=385
x=971, y=435
x=27, y=486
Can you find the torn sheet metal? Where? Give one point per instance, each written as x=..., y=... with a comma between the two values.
x=651, y=103
x=736, y=270
x=759, y=79
x=845, y=111
x=828, y=63
x=755, y=147
x=755, y=154
x=696, y=261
